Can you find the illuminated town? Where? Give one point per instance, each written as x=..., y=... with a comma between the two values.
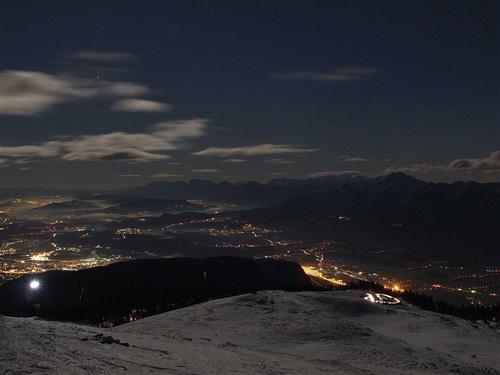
x=74, y=242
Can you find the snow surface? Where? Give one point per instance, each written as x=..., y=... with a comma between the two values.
x=270, y=332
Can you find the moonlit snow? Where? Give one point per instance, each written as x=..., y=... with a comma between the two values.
x=268, y=332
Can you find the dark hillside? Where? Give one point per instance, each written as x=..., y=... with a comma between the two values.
x=149, y=285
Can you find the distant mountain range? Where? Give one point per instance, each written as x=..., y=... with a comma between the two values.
x=393, y=197
x=282, y=190
x=458, y=221
x=270, y=193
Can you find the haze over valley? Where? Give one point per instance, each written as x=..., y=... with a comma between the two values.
x=340, y=229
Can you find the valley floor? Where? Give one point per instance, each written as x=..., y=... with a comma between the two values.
x=270, y=332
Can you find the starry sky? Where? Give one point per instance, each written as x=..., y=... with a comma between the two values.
x=107, y=94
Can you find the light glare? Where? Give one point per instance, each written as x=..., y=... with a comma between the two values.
x=34, y=284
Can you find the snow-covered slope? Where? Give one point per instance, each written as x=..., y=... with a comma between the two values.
x=268, y=332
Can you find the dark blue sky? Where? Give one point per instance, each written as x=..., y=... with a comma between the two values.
x=103, y=94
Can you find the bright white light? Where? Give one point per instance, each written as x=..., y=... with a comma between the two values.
x=34, y=284
x=384, y=299
x=369, y=297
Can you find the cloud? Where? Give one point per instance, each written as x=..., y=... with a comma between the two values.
x=117, y=146
x=279, y=161
x=263, y=149
x=174, y=131
x=163, y=175
x=45, y=150
x=21, y=161
x=487, y=164
x=416, y=168
x=102, y=153
x=337, y=75
x=144, y=147
x=139, y=105
x=206, y=170
x=128, y=175
x=491, y=162
x=236, y=160
x=4, y=162
x=102, y=56
x=27, y=93
x=353, y=159
x=334, y=173
x=140, y=147
x=114, y=88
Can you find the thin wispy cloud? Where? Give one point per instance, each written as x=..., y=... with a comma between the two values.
x=140, y=105
x=262, y=149
x=101, y=56
x=139, y=147
x=233, y=160
x=12, y=162
x=164, y=175
x=44, y=150
x=354, y=159
x=205, y=170
x=337, y=75
x=416, y=168
x=334, y=173
x=490, y=163
x=279, y=161
x=128, y=175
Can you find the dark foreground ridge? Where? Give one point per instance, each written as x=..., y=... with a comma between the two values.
x=127, y=290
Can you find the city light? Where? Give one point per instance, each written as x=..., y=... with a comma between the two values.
x=317, y=272
x=397, y=288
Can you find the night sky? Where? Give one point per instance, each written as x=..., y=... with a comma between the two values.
x=103, y=94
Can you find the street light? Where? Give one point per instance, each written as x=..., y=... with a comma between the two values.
x=34, y=284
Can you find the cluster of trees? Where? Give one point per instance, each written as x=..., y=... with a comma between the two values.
x=473, y=312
